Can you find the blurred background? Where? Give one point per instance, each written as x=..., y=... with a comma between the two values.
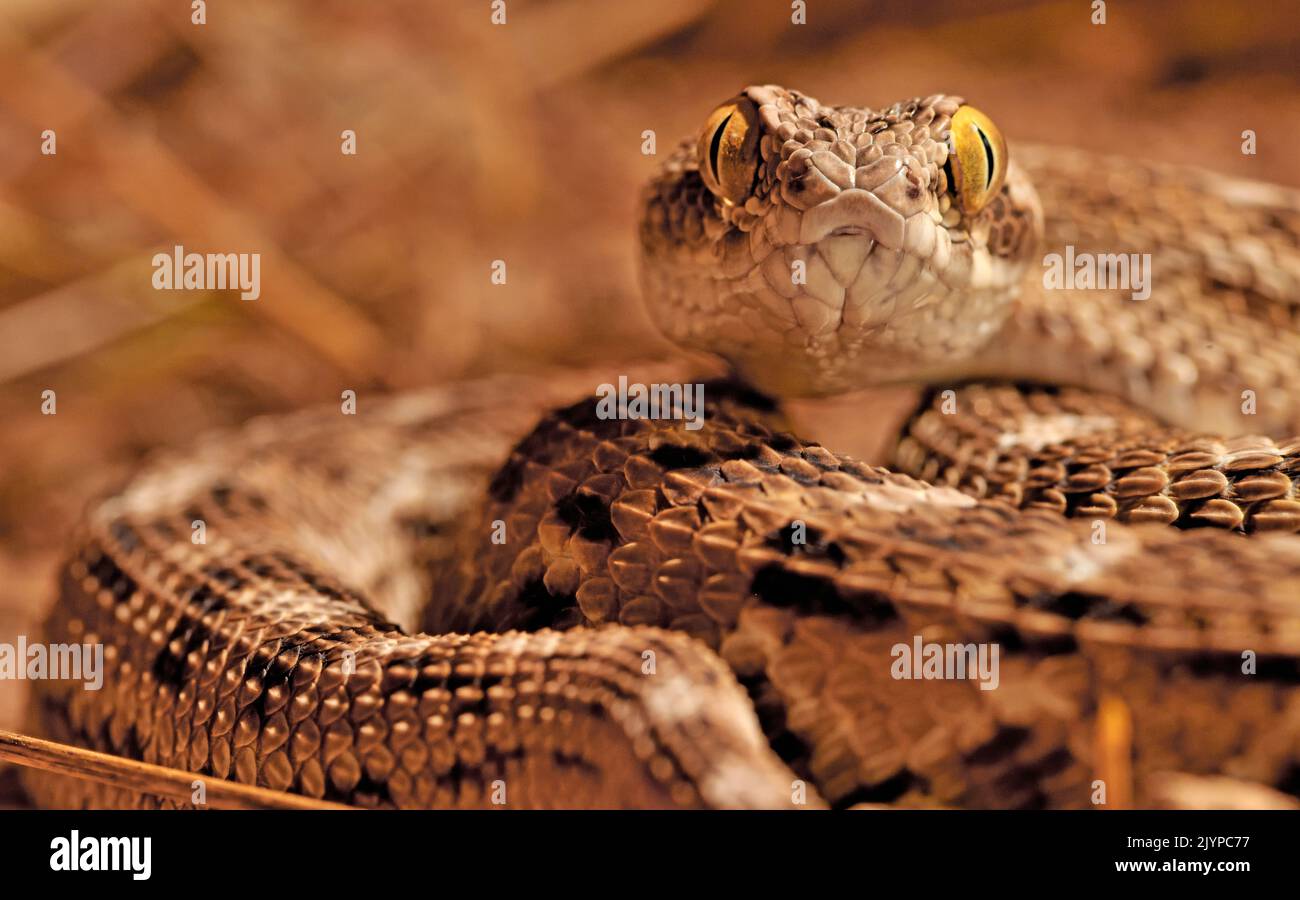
x=475, y=142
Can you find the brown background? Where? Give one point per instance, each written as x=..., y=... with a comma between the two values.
x=476, y=142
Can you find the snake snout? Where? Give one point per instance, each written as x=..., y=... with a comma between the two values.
x=853, y=211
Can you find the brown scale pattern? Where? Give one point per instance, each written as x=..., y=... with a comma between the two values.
x=266, y=700
x=248, y=657
x=1224, y=289
x=224, y=658
x=291, y=684
x=645, y=523
x=1092, y=456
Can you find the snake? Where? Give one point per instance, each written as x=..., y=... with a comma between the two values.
x=494, y=593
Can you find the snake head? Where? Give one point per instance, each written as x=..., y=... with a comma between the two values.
x=820, y=248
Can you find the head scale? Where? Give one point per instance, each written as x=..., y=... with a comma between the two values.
x=824, y=248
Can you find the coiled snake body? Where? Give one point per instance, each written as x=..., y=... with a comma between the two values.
x=627, y=612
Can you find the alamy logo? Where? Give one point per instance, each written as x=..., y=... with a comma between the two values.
x=1098, y=271
x=105, y=854
x=181, y=271
x=54, y=662
x=653, y=401
x=946, y=662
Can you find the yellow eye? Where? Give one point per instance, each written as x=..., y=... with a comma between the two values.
x=728, y=150
x=978, y=159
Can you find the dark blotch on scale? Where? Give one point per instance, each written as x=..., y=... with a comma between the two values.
x=542, y=608
x=673, y=456
x=111, y=576
x=588, y=515
x=169, y=667
x=776, y=585
x=506, y=483
x=813, y=544
x=1074, y=605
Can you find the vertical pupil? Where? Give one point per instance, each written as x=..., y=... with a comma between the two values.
x=716, y=145
x=988, y=156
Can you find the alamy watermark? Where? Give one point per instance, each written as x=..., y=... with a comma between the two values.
x=181, y=271
x=54, y=662
x=946, y=662
x=76, y=853
x=652, y=401
x=1098, y=271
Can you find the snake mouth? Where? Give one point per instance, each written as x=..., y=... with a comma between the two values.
x=853, y=211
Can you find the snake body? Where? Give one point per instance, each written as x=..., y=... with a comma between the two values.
x=444, y=602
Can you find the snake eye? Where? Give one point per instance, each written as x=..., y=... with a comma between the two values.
x=978, y=159
x=728, y=150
